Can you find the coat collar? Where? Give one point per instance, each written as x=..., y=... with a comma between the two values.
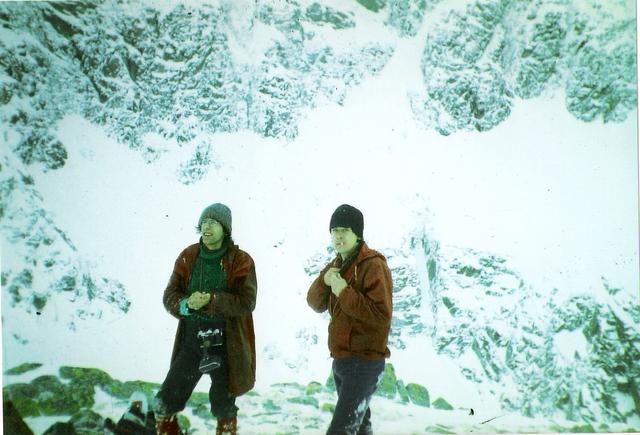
x=363, y=254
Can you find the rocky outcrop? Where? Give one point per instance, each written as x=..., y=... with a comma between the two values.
x=477, y=62
x=510, y=338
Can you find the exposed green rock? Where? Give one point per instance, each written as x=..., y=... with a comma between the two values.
x=609, y=346
x=418, y=394
x=402, y=392
x=328, y=407
x=87, y=421
x=431, y=269
x=602, y=83
x=440, y=428
x=330, y=384
x=450, y=306
x=27, y=407
x=198, y=398
x=39, y=301
x=67, y=400
x=203, y=411
x=91, y=376
x=184, y=422
x=585, y=428
x=469, y=271
x=19, y=390
x=47, y=382
x=387, y=385
x=293, y=385
x=326, y=15
x=270, y=405
x=305, y=400
x=22, y=368
x=313, y=388
x=406, y=16
x=47, y=395
x=540, y=55
x=373, y=5
x=520, y=49
x=124, y=390
x=56, y=398
x=440, y=403
x=23, y=397
x=81, y=393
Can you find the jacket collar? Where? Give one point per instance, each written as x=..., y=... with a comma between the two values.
x=364, y=253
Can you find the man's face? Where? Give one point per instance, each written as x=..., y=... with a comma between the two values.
x=344, y=240
x=212, y=233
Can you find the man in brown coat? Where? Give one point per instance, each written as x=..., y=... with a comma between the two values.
x=356, y=288
x=212, y=291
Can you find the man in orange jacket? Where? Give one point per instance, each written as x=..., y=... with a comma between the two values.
x=356, y=288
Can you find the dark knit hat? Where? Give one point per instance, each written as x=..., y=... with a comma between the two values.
x=347, y=216
x=219, y=212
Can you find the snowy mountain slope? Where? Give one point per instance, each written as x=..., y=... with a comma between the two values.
x=43, y=263
x=194, y=69
x=476, y=61
x=138, y=72
x=182, y=73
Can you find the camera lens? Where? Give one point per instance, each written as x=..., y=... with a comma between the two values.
x=209, y=363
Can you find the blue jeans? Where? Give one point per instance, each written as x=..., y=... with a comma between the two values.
x=356, y=380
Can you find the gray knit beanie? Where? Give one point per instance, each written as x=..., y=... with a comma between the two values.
x=219, y=212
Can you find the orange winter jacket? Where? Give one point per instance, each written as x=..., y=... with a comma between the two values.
x=236, y=305
x=361, y=316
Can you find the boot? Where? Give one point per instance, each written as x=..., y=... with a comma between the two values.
x=167, y=425
x=227, y=426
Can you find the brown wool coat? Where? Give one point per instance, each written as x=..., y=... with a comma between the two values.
x=236, y=305
x=361, y=316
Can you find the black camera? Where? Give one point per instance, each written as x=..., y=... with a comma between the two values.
x=210, y=339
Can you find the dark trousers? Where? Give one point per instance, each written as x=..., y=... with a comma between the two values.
x=356, y=380
x=184, y=375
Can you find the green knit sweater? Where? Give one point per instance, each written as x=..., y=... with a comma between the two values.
x=207, y=276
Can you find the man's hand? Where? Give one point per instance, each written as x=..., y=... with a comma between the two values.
x=338, y=285
x=333, y=279
x=198, y=300
x=330, y=275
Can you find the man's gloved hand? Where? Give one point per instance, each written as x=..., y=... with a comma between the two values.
x=198, y=300
x=333, y=279
x=330, y=275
